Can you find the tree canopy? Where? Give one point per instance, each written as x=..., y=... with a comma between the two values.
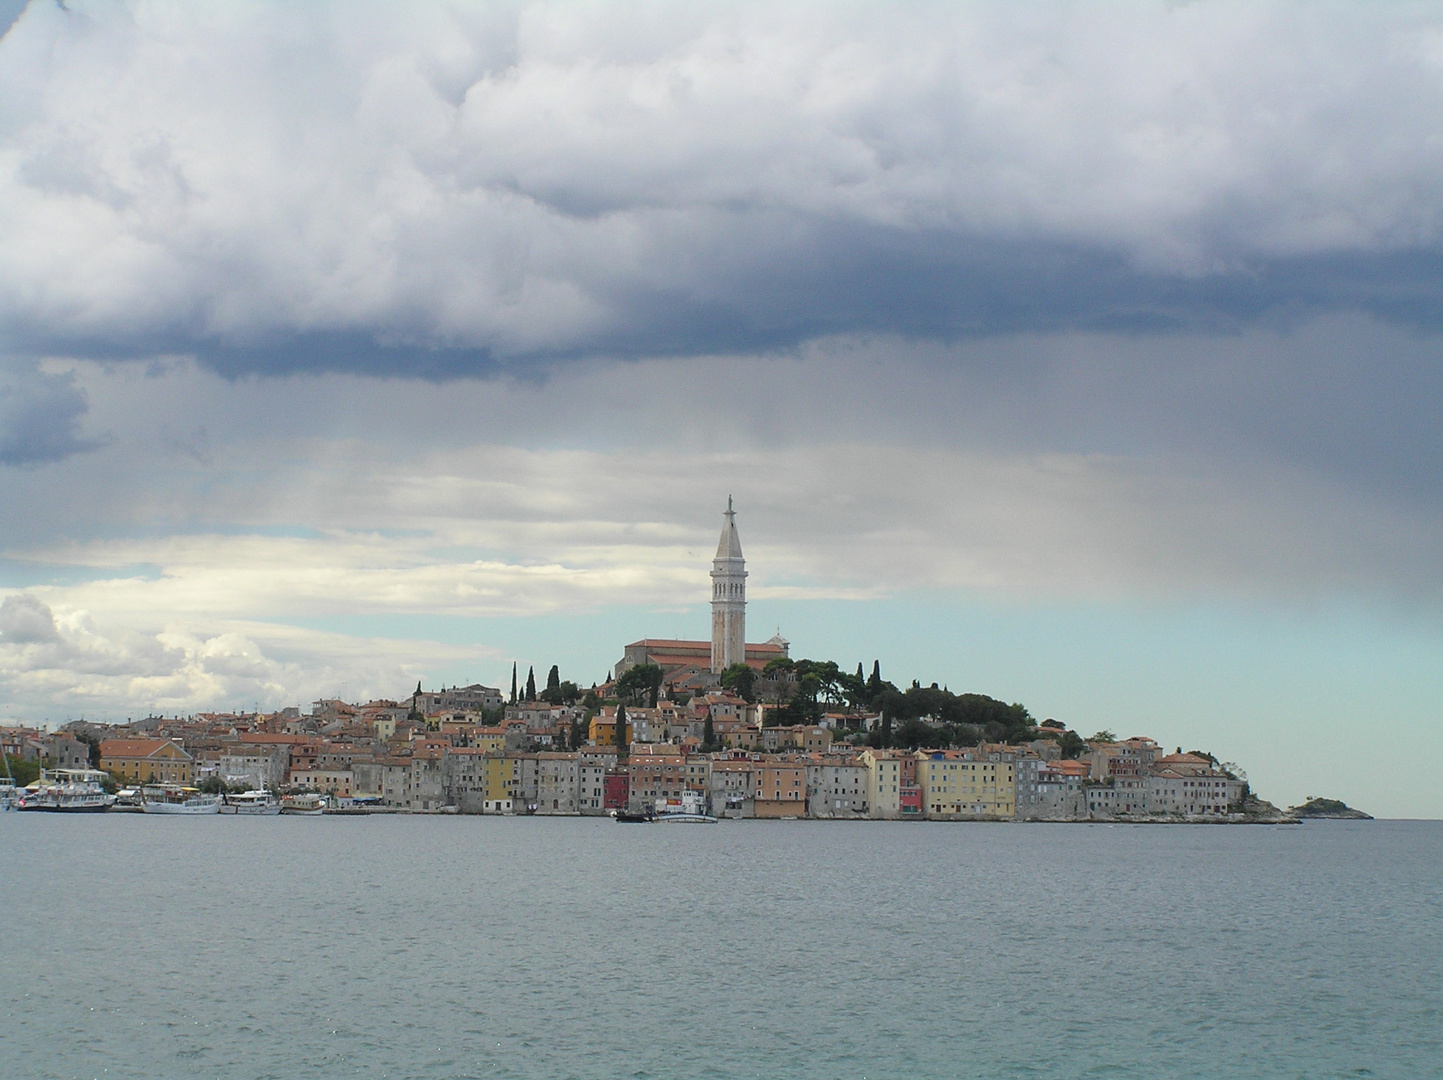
x=641, y=685
x=741, y=680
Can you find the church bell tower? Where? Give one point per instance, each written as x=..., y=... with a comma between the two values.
x=728, y=599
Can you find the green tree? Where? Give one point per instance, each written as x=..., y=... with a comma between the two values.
x=513, y=682
x=1103, y=736
x=708, y=736
x=553, y=678
x=563, y=693
x=622, y=746
x=741, y=680
x=530, y=684
x=641, y=684
x=1071, y=744
x=874, y=684
x=24, y=772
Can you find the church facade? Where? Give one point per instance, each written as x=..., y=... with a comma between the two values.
x=699, y=663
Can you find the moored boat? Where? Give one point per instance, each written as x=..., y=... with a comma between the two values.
x=630, y=817
x=251, y=804
x=67, y=791
x=127, y=801
x=174, y=799
x=306, y=804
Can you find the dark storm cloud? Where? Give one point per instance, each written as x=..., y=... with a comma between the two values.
x=466, y=189
x=40, y=417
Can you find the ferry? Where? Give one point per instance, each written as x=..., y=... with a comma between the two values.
x=174, y=799
x=260, y=803
x=67, y=791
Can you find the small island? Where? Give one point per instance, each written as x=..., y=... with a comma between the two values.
x=1328, y=810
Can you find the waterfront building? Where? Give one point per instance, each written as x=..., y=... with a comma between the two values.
x=617, y=790
x=731, y=785
x=781, y=789
x=654, y=776
x=591, y=784
x=884, y=782
x=147, y=761
x=1191, y=792
x=558, y=786
x=964, y=784
x=465, y=779
x=837, y=787
x=338, y=782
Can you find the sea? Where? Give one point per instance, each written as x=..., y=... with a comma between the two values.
x=433, y=947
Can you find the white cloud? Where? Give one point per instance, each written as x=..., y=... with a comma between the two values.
x=99, y=667
x=554, y=176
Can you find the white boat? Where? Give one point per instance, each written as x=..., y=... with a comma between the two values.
x=170, y=799
x=306, y=804
x=251, y=804
x=127, y=801
x=67, y=791
x=690, y=809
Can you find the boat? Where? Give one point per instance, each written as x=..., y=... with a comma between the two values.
x=67, y=791
x=175, y=799
x=9, y=795
x=690, y=809
x=306, y=804
x=260, y=803
x=127, y=801
x=630, y=817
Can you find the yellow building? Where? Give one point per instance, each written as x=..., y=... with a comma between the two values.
x=603, y=730
x=961, y=784
x=490, y=740
x=147, y=761
x=499, y=783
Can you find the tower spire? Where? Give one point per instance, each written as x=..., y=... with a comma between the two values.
x=728, y=598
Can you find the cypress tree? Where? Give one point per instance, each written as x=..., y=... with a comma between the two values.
x=530, y=684
x=874, y=684
x=708, y=734
x=621, y=744
x=553, y=680
x=513, y=682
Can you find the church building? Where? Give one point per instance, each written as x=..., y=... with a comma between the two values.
x=698, y=663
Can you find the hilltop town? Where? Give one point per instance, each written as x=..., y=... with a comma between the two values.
x=745, y=729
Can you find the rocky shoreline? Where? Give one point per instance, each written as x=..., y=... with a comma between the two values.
x=1328, y=810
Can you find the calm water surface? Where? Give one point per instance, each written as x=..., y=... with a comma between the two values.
x=433, y=947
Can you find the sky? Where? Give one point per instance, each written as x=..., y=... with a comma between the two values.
x=1086, y=356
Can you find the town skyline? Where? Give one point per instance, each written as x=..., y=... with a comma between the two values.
x=1086, y=362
